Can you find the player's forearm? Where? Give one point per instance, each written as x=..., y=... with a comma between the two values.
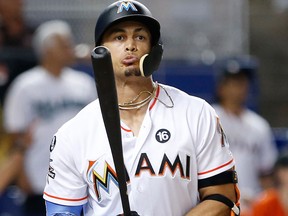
x=53, y=209
x=218, y=207
x=210, y=208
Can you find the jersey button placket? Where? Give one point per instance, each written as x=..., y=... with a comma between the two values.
x=140, y=189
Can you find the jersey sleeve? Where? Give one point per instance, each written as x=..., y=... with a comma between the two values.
x=213, y=154
x=65, y=184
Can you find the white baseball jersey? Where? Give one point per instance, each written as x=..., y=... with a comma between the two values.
x=39, y=99
x=251, y=142
x=174, y=149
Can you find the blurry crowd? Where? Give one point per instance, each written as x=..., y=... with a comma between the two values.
x=40, y=90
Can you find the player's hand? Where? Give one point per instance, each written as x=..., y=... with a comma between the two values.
x=132, y=213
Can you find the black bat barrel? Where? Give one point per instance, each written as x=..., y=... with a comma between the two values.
x=106, y=89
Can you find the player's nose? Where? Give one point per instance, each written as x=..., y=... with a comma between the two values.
x=130, y=45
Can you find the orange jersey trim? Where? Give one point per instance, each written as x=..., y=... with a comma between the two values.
x=156, y=97
x=127, y=130
x=208, y=171
x=65, y=199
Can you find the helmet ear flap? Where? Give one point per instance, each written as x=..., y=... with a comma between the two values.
x=150, y=62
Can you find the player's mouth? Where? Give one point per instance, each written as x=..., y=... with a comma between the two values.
x=130, y=60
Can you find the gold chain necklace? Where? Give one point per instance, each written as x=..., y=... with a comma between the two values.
x=132, y=104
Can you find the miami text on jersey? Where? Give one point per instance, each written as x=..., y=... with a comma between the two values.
x=101, y=174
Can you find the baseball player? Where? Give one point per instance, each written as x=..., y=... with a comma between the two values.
x=176, y=157
x=40, y=100
x=254, y=149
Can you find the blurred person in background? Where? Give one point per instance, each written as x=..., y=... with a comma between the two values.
x=250, y=136
x=274, y=201
x=14, y=31
x=16, y=53
x=40, y=100
x=16, y=56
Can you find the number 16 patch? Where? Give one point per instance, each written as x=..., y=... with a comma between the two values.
x=162, y=135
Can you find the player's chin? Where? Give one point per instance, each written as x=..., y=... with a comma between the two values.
x=132, y=71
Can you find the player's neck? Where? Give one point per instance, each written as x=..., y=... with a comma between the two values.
x=134, y=91
x=133, y=99
x=233, y=108
x=53, y=69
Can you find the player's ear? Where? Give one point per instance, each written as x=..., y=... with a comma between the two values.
x=150, y=62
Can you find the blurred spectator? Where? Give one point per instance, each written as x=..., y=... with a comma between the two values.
x=274, y=201
x=250, y=136
x=14, y=32
x=40, y=100
x=16, y=54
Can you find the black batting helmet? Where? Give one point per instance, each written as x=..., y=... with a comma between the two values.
x=126, y=10
x=234, y=66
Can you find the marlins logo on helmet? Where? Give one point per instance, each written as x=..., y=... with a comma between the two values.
x=126, y=5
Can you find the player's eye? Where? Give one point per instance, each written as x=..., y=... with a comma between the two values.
x=119, y=37
x=140, y=37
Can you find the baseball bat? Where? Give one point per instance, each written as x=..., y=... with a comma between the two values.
x=106, y=89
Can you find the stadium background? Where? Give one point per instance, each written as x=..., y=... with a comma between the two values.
x=199, y=36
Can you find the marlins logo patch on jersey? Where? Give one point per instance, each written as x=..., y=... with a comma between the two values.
x=102, y=175
x=126, y=5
